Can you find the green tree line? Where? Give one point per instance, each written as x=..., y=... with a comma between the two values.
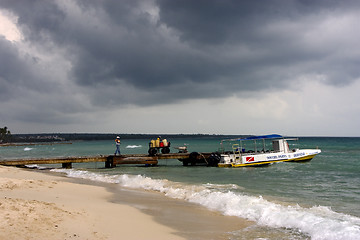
x=5, y=135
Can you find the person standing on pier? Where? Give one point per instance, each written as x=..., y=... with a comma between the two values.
x=117, y=142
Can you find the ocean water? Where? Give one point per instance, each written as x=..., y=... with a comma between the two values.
x=319, y=199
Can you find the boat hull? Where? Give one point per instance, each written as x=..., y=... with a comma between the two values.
x=252, y=160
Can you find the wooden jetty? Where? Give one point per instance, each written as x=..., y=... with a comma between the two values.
x=112, y=160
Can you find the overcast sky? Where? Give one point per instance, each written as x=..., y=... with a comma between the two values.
x=290, y=67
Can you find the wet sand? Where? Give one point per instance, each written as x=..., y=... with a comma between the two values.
x=190, y=220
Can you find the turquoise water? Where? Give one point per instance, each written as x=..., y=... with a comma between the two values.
x=317, y=199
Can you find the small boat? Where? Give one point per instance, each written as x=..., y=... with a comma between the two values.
x=260, y=153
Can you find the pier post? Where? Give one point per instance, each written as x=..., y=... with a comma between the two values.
x=67, y=165
x=110, y=162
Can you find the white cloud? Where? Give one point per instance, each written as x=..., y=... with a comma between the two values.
x=8, y=27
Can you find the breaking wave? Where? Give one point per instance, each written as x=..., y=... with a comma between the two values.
x=319, y=222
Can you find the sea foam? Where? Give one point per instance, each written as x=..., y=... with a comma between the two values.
x=319, y=222
x=133, y=146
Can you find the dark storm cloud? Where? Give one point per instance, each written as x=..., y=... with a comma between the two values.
x=18, y=73
x=121, y=52
x=221, y=21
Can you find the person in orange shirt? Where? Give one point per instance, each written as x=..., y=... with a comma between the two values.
x=117, y=142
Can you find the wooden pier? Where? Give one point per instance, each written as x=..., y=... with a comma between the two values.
x=112, y=161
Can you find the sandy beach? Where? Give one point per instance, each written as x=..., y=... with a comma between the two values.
x=40, y=206
x=37, y=205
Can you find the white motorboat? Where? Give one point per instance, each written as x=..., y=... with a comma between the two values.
x=261, y=153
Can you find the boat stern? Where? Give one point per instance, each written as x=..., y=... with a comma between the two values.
x=225, y=161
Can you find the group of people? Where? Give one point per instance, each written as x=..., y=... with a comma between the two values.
x=117, y=143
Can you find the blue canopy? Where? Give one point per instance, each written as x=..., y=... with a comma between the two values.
x=262, y=137
x=255, y=137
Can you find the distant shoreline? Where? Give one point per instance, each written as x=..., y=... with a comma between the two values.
x=61, y=137
x=31, y=144
x=66, y=138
